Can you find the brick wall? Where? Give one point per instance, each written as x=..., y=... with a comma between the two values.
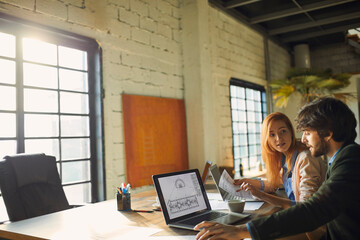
x=145, y=59
x=280, y=61
x=237, y=52
x=339, y=57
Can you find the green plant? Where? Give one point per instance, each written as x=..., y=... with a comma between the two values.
x=310, y=84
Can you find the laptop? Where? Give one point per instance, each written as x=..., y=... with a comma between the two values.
x=215, y=173
x=184, y=202
x=205, y=173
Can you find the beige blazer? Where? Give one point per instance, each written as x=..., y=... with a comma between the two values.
x=308, y=175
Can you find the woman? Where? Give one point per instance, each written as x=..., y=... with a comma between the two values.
x=289, y=162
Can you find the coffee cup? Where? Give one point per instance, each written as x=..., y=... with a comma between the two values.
x=236, y=206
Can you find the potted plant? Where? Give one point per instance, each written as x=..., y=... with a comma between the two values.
x=310, y=84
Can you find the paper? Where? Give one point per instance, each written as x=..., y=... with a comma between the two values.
x=252, y=206
x=214, y=196
x=218, y=205
x=227, y=183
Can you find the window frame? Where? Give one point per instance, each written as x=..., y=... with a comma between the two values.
x=263, y=102
x=21, y=28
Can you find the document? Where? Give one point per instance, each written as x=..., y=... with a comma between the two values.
x=214, y=196
x=252, y=206
x=218, y=205
x=227, y=183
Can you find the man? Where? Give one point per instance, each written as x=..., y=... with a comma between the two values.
x=328, y=127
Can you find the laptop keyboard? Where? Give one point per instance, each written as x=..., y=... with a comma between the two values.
x=231, y=197
x=205, y=217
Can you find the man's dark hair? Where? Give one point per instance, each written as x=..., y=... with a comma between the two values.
x=328, y=114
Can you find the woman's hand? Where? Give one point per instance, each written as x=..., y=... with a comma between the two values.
x=266, y=197
x=253, y=190
x=255, y=183
x=213, y=231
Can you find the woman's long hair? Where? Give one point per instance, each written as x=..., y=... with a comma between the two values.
x=272, y=157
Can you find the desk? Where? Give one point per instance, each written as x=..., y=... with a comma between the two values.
x=102, y=221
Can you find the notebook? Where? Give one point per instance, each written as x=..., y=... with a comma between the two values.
x=215, y=173
x=184, y=202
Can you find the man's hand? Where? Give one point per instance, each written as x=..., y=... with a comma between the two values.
x=213, y=231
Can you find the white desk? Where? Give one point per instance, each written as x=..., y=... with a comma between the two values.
x=103, y=221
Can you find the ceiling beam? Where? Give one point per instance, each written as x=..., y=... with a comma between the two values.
x=296, y=10
x=232, y=12
x=318, y=33
x=238, y=3
x=314, y=24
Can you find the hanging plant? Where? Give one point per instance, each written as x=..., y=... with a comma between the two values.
x=310, y=84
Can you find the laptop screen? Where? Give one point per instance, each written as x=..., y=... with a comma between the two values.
x=182, y=193
x=215, y=173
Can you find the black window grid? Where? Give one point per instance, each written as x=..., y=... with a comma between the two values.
x=21, y=29
x=248, y=109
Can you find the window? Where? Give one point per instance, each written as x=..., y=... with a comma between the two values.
x=50, y=102
x=248, y=109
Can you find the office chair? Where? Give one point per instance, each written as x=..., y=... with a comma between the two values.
x=31, y=186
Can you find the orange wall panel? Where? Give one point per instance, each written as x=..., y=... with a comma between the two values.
x=155, y=137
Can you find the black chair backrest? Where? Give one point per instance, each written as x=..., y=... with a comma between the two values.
x=31, y=186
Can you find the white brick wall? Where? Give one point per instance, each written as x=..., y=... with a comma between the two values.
x=139, y=7
x=280, y=61
x=77, y=3
x=237, y=52
x=54, y=8
x=148, y=24
x=129, y=17
x=141, y=36
x=339, y=57
x=120, y=3
x=146, y=64
x=23, y=4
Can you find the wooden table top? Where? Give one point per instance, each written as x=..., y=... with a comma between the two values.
x=101, y=221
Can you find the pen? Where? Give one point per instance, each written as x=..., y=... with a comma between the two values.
x=144, y=211
x=123, y=187
x=128, y=187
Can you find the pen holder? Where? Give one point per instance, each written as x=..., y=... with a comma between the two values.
x=123, y=202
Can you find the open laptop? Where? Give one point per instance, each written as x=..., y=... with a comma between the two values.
x=215, y=173
x=184, y=202
x=205, y=173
